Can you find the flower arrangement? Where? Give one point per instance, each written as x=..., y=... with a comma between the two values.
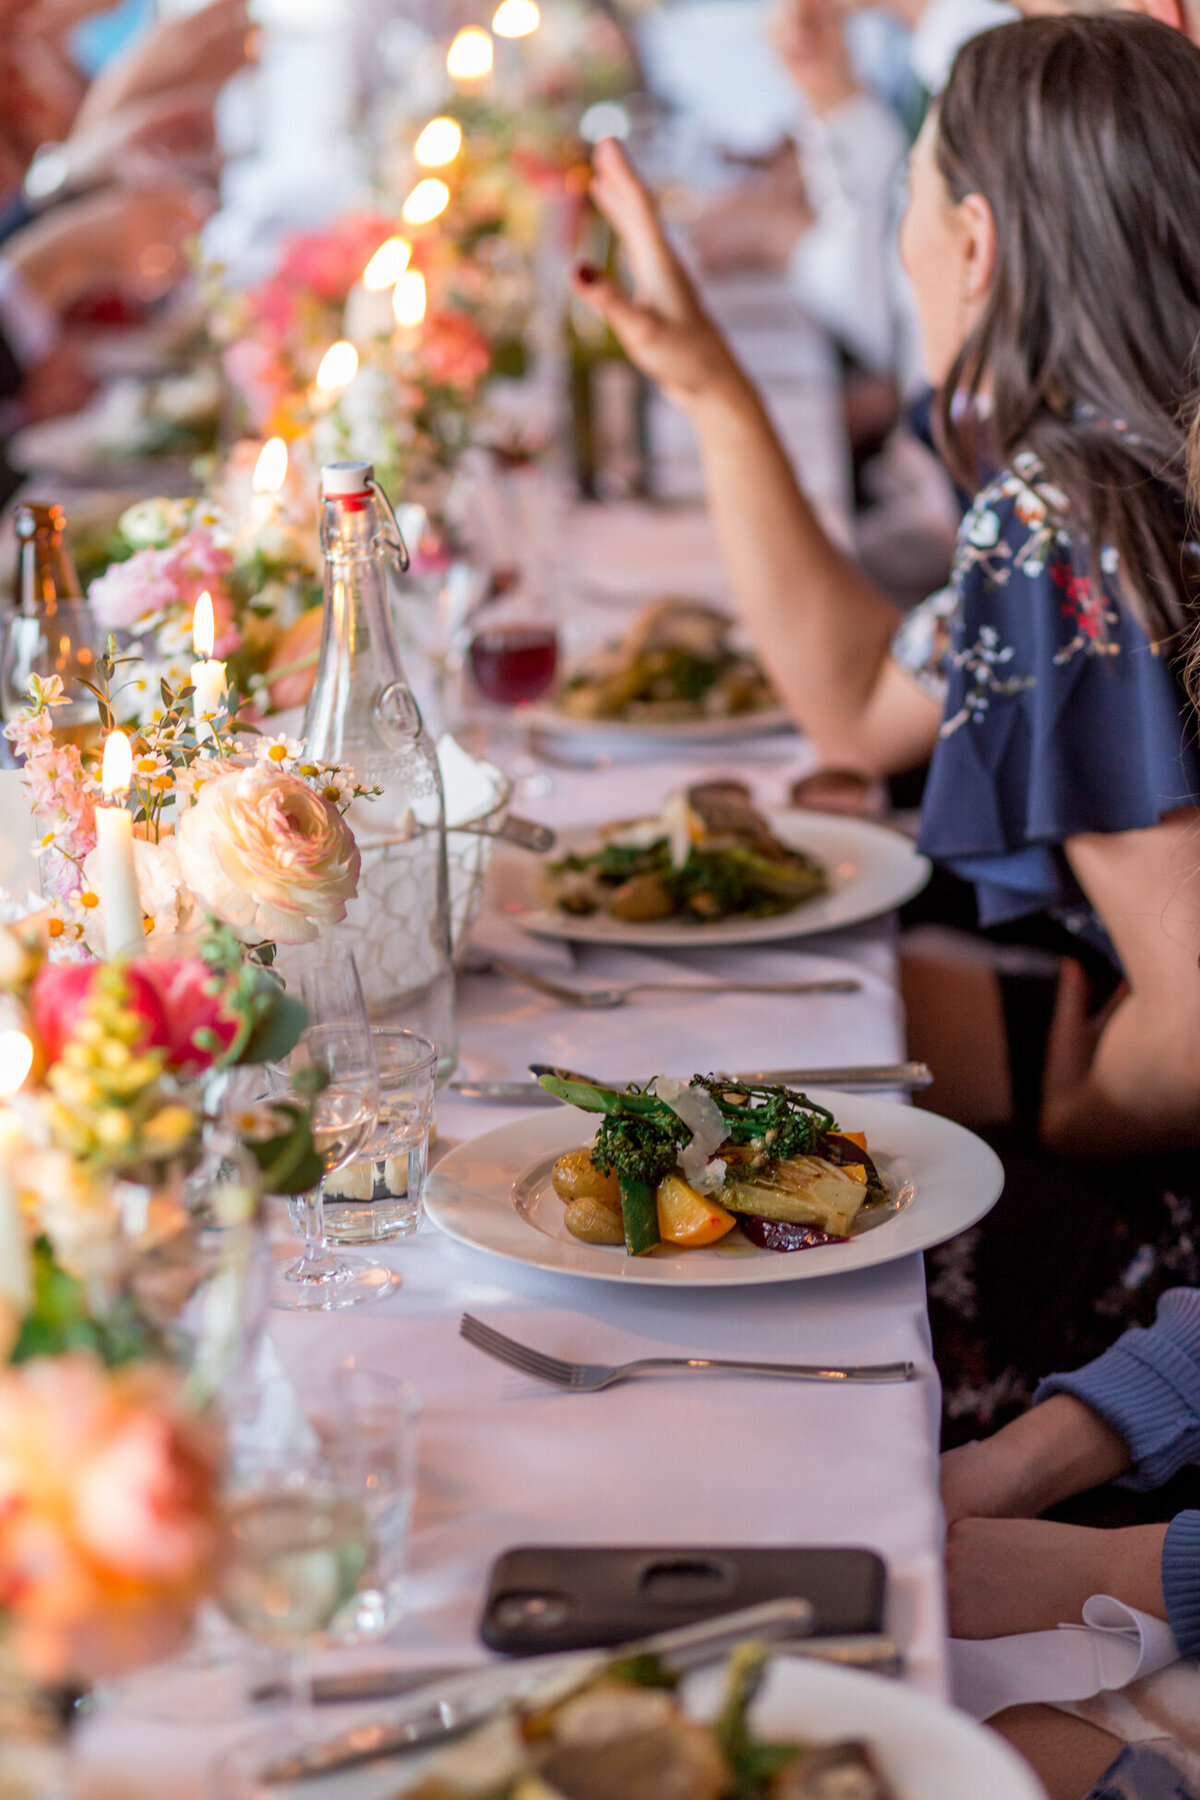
x=240, y=831
x=245, y=550
x=108, y=1515
x=109, y=1457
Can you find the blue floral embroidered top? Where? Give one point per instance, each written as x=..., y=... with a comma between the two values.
x=1060, y=716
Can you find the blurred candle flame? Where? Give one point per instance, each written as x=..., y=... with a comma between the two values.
x=387, y=265
x=470, y=56
x=516, y=18
x=116, y=771
x=204, y=633
x=16, y=1060
x=439, y=143
x=339, y=366
x=429, y=198
x=408, y=298
x=270, y=471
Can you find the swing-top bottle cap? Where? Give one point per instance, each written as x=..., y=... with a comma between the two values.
x=346, y=478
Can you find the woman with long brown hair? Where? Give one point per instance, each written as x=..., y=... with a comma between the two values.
x=1051, y=240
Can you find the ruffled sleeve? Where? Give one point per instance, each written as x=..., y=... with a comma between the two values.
x=1060, y=718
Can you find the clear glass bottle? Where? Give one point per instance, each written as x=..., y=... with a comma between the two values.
x=52, y=630
x=362, y=713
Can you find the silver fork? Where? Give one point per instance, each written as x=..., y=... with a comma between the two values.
x=603, y=999
x=589, y=1378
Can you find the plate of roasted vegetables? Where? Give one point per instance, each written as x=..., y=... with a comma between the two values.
x=678, y=673
x=712, y=1182
x=777, y=1728
x=711, y=868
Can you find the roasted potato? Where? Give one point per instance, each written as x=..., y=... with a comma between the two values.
x=641, y=897
x=576, y=1177
x=595, y=1221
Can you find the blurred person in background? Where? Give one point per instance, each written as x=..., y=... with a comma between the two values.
x=101, y=184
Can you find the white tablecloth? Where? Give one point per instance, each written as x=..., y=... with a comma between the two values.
x=505, y=1461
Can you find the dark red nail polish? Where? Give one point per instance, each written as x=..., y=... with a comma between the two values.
x=587, y=274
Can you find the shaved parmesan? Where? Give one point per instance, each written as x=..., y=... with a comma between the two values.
x=703, y=1118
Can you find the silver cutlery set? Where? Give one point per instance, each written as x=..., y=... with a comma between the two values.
x=443, y=1704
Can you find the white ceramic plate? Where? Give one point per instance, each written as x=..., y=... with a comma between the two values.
x=871, y=870
x=927, y=1750
x=494, y=1193
x=620, y=732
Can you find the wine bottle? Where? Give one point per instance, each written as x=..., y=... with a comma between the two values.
x=52, y=629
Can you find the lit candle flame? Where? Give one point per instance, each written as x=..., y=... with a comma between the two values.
x=116, y=771
x=408, y=298
x=439, y=143
x=429, y=198
x=270, y=471
x=516, y=18
x=470, y=56
x=339, y=366
x=16, y=1060
x=204, y=628
x=387, y=265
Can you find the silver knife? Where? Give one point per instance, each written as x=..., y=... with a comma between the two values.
x=867, y=1650
x=686, y=1648
x=864, y=1079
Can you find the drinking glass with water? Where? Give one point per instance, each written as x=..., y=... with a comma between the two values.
x=378, y=1194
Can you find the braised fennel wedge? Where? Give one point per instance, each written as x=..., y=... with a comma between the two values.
x=683, y=1163
x=623, y=1735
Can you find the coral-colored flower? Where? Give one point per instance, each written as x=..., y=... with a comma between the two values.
x=269, y=857
x=329, y=262
x=454, y=350
x=108, y=1515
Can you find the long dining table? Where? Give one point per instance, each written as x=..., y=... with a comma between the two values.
x=678, y=1462
x=733, y=1460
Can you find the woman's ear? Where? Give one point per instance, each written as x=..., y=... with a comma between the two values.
x=978, y=229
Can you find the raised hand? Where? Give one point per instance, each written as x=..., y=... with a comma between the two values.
x=663, y=326
x=200, y=48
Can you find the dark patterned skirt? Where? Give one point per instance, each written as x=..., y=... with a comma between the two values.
x=1070, y=1256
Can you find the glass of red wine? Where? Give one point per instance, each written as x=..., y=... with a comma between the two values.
x=513, y=659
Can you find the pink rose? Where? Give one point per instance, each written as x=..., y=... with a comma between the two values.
x=61, y=992
x=180, y=1002
x=268, y=856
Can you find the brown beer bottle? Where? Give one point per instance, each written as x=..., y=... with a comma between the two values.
x=52, y=629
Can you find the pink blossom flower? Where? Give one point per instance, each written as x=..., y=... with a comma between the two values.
x=152, y=581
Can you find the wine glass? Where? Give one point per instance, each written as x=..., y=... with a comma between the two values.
x=336, y=1050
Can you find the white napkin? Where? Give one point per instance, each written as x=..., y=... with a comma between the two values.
x=1114, y=1645
x=471, y=787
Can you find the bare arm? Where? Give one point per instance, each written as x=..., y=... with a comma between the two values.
x=822, y=630
x=1135, y=1086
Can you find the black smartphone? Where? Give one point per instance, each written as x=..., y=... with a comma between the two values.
x=572, y=1597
